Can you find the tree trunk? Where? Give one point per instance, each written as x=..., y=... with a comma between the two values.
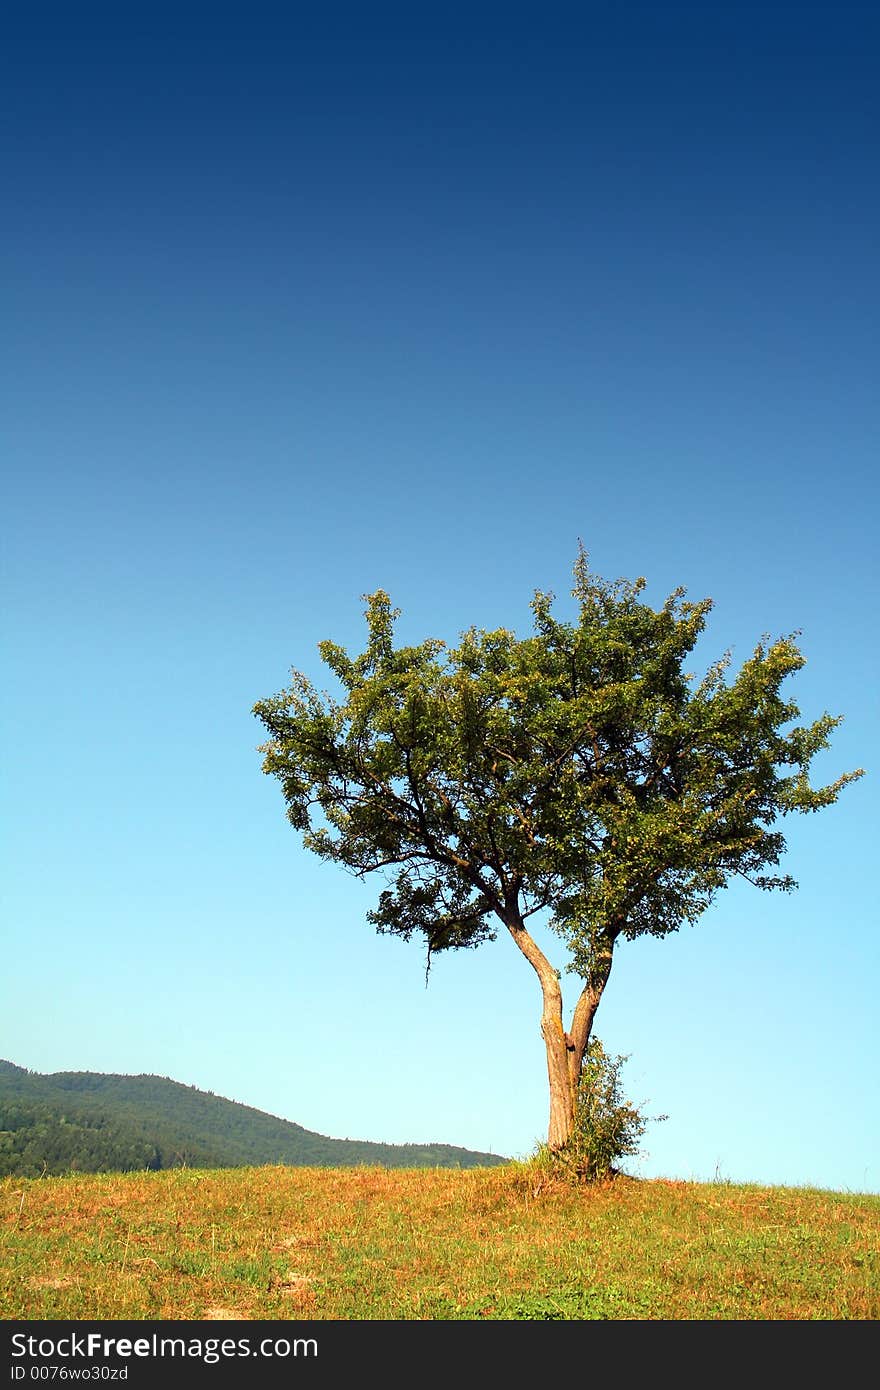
x=565, y=1051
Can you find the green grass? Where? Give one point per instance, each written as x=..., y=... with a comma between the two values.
x=498, y=1243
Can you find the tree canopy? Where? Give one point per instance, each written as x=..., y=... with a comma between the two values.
x=579, y=772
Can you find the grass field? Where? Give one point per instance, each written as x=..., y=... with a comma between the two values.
x=317, y=1243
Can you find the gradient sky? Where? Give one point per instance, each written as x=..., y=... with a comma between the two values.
x=291, y=315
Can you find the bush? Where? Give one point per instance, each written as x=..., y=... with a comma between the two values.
x=607, y=1128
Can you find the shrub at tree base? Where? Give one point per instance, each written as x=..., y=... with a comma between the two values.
x=607, y=1128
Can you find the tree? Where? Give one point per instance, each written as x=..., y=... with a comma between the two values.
x=578, y=773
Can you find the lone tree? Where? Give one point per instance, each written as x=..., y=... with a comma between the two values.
x=577, y=772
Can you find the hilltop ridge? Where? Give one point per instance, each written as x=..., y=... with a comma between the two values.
x=79, y=1121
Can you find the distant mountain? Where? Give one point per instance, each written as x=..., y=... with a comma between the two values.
x=89, y=1122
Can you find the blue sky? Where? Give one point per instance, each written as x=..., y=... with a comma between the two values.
x=291, y=315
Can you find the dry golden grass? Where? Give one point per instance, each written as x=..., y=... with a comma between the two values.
x=500, y=1243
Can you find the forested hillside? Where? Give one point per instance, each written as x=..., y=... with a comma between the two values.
x=89, y=1122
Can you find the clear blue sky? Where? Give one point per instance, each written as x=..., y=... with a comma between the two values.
x=289, y=316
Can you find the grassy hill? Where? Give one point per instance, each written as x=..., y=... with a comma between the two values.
x=90, y=1122
x=482, y=1244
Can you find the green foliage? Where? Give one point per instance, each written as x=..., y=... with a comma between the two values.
x=607, y=1127
x=573, y=1304
x=578, y=771
x=88, y=1122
